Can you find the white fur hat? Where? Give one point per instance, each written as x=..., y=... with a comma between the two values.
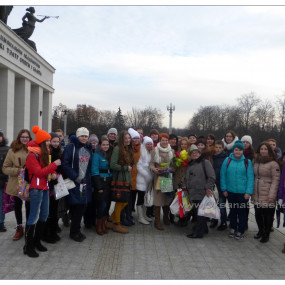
x=133, y=133
x=146, y=140
x=82, y=132
x=247, y=139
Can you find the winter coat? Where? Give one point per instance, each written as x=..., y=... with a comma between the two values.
x=38, y=175
x=235, y=178
x=159, y=198
x=281, y=191
x=144, y=176
x=3, y=152
x=134, y=172
x=218, y=160
x=119, y=169
x=198, y=179
x=14, y=161
x=55, y=154
x=75, y=196
x=101, y=175
x=229, y=147
x=266, y=182
x=178, y=176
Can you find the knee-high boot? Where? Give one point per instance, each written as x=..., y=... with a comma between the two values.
x=157, y=222
x=260, y=225
x=38, y=234
x=166, y=211
x=267, y=228
x=29, y=247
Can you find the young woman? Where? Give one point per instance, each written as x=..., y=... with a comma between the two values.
x=192, y=139
x=13, y=165
x=229, y=140
x=122, y=163
x=235, y=169
x=39, y=168
x=144, y=178
x=50, y=232
x=266, y=183
x=76, y=165
x=161, y=154
x=205, y=150
x=3, y=178
x=210, y=139
x=101, y=177
x=199, y=180
x=126, y=216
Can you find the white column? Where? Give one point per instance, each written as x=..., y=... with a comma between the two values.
x=47, y=111
x=22, y=105
x=36, y=106
x=7, y=89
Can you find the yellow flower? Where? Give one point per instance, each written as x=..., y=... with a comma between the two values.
x=184, y=154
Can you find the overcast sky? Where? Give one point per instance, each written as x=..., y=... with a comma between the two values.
x=138, y=56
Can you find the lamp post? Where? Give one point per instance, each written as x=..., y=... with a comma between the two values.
x=64, y=121
x=170, y=108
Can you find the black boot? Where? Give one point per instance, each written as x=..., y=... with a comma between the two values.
x=267, y=227
x=166, y=212
x=260, y=224
x=38, y=234
x=53, y=230
x=48, y=230
x=213, y=223
x=29, y=247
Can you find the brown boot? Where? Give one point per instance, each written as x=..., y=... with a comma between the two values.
x=99, y=230
x=109, y=225
x=157, y=222
x=19, y=232
x=120, y=229
x=166, y=220
x=104, y=229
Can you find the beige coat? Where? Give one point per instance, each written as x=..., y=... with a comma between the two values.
x=12, y=168
x=159, y=198
x=266, y=181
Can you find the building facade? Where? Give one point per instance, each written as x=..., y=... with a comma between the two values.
x=26, y=86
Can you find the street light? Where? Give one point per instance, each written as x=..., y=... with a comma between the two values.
x=170, y=108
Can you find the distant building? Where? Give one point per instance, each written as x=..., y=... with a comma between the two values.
x=26, y=86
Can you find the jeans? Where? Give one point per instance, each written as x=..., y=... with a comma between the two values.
x=238, y=206
x=39, y=206
x=2, y=216
x=223, y=209
x=102, y=208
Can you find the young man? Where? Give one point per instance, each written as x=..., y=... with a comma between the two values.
x=218, y=158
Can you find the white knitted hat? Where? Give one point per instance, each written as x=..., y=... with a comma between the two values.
x=82, y=132
x=133, y=133
x=247, y=139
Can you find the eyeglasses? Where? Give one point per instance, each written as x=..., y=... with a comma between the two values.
x=25, y=138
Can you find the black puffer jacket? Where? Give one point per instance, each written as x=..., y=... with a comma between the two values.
x=3, y=152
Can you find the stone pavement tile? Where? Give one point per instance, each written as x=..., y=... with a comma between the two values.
x=153, y=275
x=11, y=276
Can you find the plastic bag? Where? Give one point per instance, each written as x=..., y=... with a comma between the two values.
x=184, y=202
x=60, y=189
x=148, y=198
x=166, y=184
x=208, y=208
x=174, y=206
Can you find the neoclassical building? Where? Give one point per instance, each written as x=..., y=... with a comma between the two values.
x=26, y=86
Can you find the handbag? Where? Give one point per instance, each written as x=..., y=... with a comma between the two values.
x=60, y=190
x=8, y=202
x=23, y=187
x=68, y=182
x=120, y=190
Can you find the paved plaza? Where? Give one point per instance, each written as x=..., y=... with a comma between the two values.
x=146, y=253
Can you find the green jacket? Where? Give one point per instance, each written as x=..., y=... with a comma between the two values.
x=117, y=168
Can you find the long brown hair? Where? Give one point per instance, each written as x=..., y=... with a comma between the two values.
x=126, y=153
x=44, y=154
x=16, y=145
x=271, y=153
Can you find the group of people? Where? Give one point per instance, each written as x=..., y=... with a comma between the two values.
x=158, y=164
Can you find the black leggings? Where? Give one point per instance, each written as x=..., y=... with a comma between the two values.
x=18, y=210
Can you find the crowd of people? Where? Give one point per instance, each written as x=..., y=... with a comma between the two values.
x=154, y=166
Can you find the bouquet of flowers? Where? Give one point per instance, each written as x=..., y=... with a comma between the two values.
x=181, y=159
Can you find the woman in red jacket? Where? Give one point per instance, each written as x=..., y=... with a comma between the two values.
x=38, y=166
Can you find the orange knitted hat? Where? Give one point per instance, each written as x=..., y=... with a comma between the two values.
x=41, y=135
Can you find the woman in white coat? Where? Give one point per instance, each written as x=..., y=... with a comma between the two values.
x=144, y=177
